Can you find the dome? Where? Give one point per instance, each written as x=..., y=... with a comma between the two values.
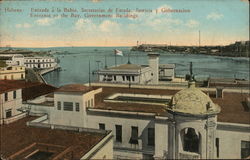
x=192, y=101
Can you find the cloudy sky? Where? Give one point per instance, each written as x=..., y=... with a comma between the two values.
x=219, y=21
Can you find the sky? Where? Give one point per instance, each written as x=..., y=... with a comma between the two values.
x=220, y=22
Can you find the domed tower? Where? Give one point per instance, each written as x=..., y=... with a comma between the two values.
x=192, y=124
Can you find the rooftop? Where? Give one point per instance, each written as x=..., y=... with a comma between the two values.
x=131, y=106
x=30, y=90
x=233, y=108
x=127, y=67
x=233, y=104
x=63, y=143
x=78, y=88
x=166, y=65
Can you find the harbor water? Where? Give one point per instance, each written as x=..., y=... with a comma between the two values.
x=74, y=62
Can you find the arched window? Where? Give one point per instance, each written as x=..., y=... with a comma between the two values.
x=191, y=140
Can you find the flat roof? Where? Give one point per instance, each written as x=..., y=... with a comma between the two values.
x=45, y=103
x=233, y=104
x=167, y=66
x=131, y=106
x=19, y=140
x=233, y=108
x=78, y=88
x=126, y=67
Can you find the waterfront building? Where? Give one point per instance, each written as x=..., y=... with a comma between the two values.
x=13, y=59
x=25, y=139
x=126, y=73
x=138, y=74
x=40, y=62
x=29, y=62
x=158, y=121
x=166, y=72
x=12, y=73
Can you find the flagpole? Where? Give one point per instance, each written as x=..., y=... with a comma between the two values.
x=89, y=75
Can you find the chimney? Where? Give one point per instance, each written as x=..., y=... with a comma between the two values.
x=153, y=59
x=219, y=92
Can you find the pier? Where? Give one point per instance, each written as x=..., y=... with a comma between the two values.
x=47, y=70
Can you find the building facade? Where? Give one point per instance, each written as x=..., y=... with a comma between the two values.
x=126, y=73
x=138, y=74
x=160, y=123
x=10, y=103
x=29, y=62
x=166, y=72
x=12, y=73
x=40, y=62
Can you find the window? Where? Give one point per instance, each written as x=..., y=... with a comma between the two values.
x=114, y=78
x=92, y=102
x=217, y=147
x=245, y=149
x=118, y=131
x=191, y=140
x=14, y=94
x=58, y=105
x=6, y=96
x=21, y=76
x=77, y=107
x=123, y=78
x=133, y=78
x=88, y=103
x=8, y=113
x=102, y=126
x=128, y=78
x=151, y=136
x=68, y=106
x=134, y=135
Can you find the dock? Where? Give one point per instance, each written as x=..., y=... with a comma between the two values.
x=48, y=70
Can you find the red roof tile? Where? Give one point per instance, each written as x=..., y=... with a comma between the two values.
x=74, y=88
x=17, y=136
x=30, y=90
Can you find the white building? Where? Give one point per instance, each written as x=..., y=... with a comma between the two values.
x=10, y=102
x=12, y=73
x=13, y=59
x=126, y=73
x=29, y=62
x=159, y=122
x=137, y=74
x=166, y=72
x=40, y=62
x=71, y=101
